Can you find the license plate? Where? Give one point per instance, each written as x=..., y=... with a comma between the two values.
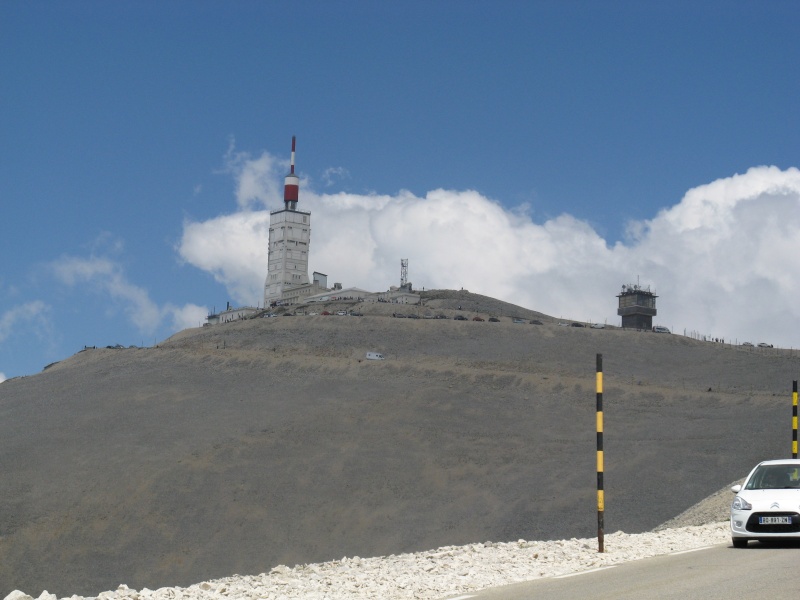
x=787, y=520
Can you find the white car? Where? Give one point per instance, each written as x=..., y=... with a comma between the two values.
x=767, y=505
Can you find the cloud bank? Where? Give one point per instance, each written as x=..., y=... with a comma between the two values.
x=724, y=260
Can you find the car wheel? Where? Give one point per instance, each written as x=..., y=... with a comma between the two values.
x=739, y=542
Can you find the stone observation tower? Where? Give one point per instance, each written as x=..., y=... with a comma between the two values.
x=289, y=241
x=637, y=307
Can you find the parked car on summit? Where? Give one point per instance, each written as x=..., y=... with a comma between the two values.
x=764, y=345
x=660, y=329
x=767, y=504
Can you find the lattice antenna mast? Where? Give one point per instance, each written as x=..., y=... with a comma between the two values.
x=403, y=272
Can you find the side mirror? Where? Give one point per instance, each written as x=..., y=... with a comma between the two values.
x=736, y=488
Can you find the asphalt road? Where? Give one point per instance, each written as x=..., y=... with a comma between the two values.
x=715, y=573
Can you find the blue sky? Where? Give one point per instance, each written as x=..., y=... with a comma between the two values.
x=540, y=152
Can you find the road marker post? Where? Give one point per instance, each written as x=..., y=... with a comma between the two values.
x=794, y=419
x=600, y=492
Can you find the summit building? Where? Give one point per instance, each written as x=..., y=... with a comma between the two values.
x=289, y=242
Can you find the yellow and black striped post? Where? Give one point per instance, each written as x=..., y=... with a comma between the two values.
x=794, y=419
x=600, y=499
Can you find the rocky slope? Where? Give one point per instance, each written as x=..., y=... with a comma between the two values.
x=240, y=447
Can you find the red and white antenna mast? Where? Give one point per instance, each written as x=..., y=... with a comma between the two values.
x=291, y=186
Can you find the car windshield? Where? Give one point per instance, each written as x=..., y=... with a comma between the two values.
x=772, y=477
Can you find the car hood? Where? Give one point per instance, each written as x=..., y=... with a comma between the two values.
x=766, y=500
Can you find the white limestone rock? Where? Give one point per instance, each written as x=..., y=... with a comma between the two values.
x=17, y=595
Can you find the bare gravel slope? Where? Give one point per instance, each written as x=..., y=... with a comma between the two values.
x=235, y=448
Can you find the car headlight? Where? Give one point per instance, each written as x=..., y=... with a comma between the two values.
x=740, y=503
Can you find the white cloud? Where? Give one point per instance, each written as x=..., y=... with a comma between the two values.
x=21, y=324
x=723, y=260
x=107, y=277
x=258, y=180
x=186, y=316
x=233, y=249
x=333, y=174
x=35, y=313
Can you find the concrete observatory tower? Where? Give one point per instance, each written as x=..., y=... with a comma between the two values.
x=289, y=242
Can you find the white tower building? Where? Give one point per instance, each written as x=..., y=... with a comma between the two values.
x=289, y=242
